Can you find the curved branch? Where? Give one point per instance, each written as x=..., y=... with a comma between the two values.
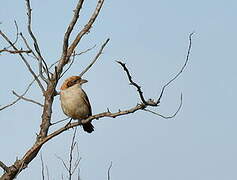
x=171, y=116
x=181, y=70
x=108, y=172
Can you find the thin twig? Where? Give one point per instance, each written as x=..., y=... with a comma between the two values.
x=181, y=70
x=64, y=164
x=96, y=57
x=73, y=143
x=72, y=61
x=139, y=90
x=24, y=93
x=108, y=173
x=70, y=28
x=24, y=60
x=37, y=49
x=42, y=166
x=78, y=159
x=17, y=34
x=15, y=52
x=84, y=31
x=47, y=172
x=27, y=99
x=167, y=117
x=85, y=51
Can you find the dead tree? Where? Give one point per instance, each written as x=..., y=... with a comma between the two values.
x=47, y=78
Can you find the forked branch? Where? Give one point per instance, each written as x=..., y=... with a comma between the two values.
x=24, y=60
x=36, y=46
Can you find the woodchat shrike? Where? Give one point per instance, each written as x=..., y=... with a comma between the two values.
x=74, y=101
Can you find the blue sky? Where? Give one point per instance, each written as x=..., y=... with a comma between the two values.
x=152, y=38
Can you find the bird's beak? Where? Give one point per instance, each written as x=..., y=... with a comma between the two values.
x=83, y=81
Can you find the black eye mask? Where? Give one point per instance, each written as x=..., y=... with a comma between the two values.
x=71, y=83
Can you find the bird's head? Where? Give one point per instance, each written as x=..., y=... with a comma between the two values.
x=69, y=82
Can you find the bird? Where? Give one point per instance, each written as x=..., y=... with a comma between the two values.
x=74, y=101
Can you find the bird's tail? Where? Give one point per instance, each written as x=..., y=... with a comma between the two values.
x=88, y=127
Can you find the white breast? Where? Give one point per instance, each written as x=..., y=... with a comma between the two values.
x=72, y=102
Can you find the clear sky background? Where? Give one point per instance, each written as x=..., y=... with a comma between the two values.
x=152, y=38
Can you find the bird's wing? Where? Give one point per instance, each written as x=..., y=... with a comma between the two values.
x=86, y=100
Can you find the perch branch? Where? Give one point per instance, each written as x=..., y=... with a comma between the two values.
x=96, y=57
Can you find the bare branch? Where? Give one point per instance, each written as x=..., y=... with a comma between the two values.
x=17, y=34
x=47, y=172
x=148, y=102
x=49, y=94
x=96, y=57
x=108, y=173
x=14, y=102
x=181, y=70
x=72, y=61
x=64, y=164
x=97, y=116
x=24, y=60
x=73, y=55
x=28, y=46
x=4, y=167
x=15, y=52
x=37, y=49
x=85, y=30
x=27, y=99
x=62, y=120
x=171, y=116
x=85, y=51
x=70, y=28
x=73, y=143
x=42, y=166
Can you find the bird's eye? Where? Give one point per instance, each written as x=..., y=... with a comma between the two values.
x=71, y=83
x=74, y=81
